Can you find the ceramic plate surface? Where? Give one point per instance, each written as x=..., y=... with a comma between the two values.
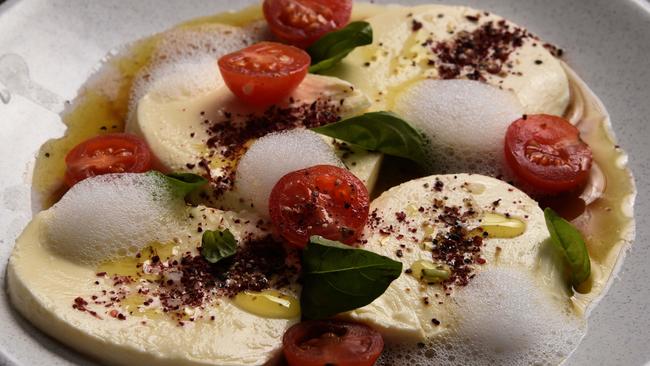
x=48, y=48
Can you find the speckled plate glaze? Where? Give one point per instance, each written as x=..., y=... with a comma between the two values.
x=49, y=47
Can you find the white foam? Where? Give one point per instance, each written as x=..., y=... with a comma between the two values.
x=110, y=216
x=504, y=317
x=273, y=156
x=184, y=62
x=465, y=121
x=506, y=312
x=176, y=80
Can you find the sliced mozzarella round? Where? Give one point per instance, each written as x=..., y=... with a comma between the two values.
x=178, y=129
x=415, y=223
x=465, y=122
x=204, y=129
x=413, y=43
x=122, y=320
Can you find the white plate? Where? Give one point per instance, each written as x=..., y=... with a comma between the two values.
x=60, y=42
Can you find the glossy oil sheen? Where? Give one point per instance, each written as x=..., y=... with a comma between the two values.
x=268, y=304
x=499, y=226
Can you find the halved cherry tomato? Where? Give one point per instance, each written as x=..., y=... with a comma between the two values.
x=302, y=22
x=331, y=342
x=264, y=73
x=322, y=200
x=112, y=153
x=547, y=153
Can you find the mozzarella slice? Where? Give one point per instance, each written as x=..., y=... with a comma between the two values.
x=406, y=220
x=64, y=296
x=178, y=130
x=403, y=51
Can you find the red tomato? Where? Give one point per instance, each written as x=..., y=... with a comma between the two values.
x=302, y=22
x=264, y=73
x=547, y=153
x=322, y=200
x=112, y=153
x=331, y=342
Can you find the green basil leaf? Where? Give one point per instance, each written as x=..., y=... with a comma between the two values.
x=217, y=245
x=334, y=46
x=380, y=131
x=338, y=277
x=182, y=184
x=569, y=240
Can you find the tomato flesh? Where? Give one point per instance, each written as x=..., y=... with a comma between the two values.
x=331, y=342
x=112, y=153
x=264, y=73
x=547, y=153
x=302, y=22
x=321, y=200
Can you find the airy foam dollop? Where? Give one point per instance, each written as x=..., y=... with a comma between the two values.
x=184, y=62
x=275, y=155
x=110, y=216
x=503, y=317
x=465, y=121
x=510, y=317
x=185, y=78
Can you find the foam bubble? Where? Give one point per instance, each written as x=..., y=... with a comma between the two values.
x=185, y=60
x=110, y=216
x=507, y=313
x=275, y=155
x=504, y=317
x=465, y=121
x=176, y=80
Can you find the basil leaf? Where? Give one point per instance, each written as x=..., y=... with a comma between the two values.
x=334, y=46
x=217, y=245
x=569, y=240
x=338, y=278
x=380, y=131
x=182, y=184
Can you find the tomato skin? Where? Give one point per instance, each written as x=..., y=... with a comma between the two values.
x=321, y=200
x=331, y=342
x=105, y=154
x=264, y=73
x=547, y=153
x=302, y=22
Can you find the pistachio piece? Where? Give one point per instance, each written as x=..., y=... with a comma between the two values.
x=430, y=272
x=499, y=226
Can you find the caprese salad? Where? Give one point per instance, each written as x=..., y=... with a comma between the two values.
x=312, y=182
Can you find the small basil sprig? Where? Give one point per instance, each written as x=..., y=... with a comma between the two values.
x=338, y=278
x=380, y=131
x=218, y=245
x=181, y=184
x=569, y=240
x=334, y=46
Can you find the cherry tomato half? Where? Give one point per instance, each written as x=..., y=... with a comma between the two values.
x=264, y=73
x=302, y=22
x=322, y=200
x=112, y=153
x=331, y=342
x=546, y=152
